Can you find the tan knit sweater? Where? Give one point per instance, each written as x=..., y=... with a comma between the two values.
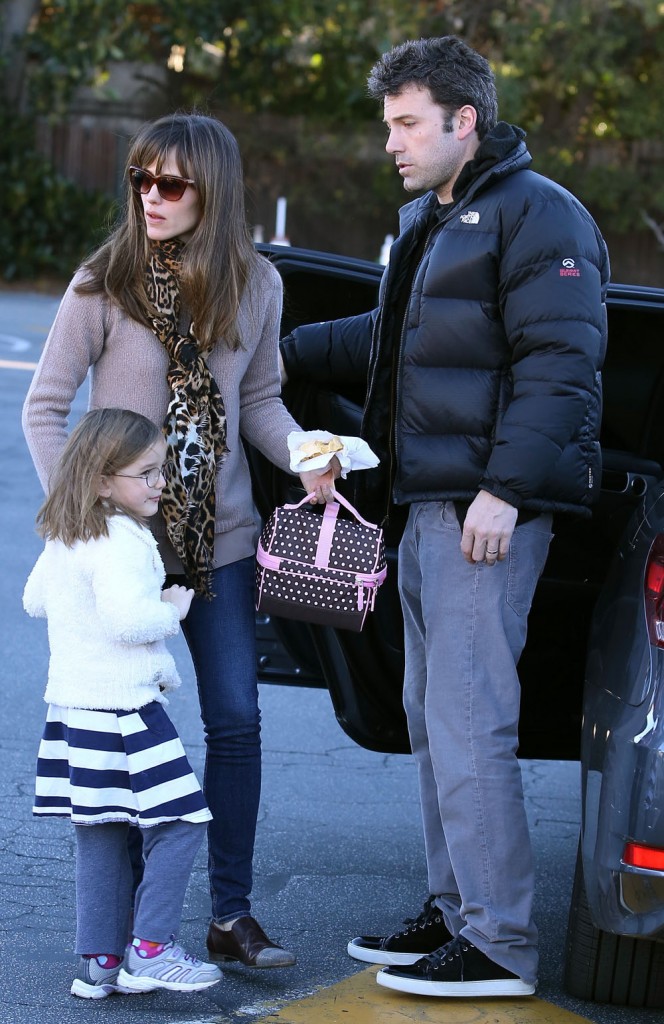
x=127, y=366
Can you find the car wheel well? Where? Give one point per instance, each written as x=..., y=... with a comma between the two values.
x=608, y=968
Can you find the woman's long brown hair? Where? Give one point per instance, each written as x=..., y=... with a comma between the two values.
x=217, y=261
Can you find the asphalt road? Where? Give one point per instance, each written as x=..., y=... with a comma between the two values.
x=339, y=846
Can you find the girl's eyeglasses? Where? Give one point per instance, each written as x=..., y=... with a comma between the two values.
x=151, y=476
x=169, y=186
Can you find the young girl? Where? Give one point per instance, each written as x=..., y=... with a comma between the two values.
x=110, y=757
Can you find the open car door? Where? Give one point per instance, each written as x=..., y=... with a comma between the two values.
x=363, y=672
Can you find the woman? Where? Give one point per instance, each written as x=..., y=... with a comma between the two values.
x=177, y=317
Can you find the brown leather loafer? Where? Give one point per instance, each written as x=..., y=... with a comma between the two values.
x=247, y=942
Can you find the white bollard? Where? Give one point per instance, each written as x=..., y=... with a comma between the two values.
x=280, y=226
x=385, y=249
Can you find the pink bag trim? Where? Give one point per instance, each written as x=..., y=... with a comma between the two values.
x=326, y=536
x=342, y=501
x=365, y=579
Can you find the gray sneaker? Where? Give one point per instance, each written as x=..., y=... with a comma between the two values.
x=94, y=981
x=172, y=968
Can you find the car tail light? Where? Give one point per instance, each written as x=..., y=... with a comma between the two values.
x=648, y=857
x=654, y=591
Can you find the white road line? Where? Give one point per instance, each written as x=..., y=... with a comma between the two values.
x=14, y=344
x=13, y=364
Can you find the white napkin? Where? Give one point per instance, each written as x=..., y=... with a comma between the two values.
x=355, y=454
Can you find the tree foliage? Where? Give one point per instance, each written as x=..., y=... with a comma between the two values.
x=595, y=60
x=47, y=223
x=296, y=57
x=586, y=80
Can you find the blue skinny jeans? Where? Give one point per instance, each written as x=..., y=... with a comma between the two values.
x=221, y=636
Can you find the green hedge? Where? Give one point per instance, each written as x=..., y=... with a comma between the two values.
x=47, y=223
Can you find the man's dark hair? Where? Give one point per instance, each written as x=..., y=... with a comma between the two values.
x=452, y=71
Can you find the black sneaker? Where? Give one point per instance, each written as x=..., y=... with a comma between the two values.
x=421, y=935
x=458, y=969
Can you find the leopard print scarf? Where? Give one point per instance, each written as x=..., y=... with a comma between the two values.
x=195, y=425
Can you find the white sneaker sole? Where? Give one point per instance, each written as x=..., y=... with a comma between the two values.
x=456, y=989
x=84, y=991
x=382, y=956
x=143, y=983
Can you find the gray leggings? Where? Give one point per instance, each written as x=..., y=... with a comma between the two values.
x=104, y=883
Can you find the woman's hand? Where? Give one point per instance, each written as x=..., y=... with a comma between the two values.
x=321, y=481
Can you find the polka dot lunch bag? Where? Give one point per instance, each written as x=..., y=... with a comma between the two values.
x=319, y=566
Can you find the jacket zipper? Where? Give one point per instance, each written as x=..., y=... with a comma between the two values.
x=396, y=371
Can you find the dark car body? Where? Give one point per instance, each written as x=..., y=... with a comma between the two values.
x=589, y=610
x=615, y=944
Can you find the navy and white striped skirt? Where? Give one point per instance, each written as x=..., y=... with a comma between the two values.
x=102, y=766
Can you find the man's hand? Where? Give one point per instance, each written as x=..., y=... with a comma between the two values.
x=321, y=481
x=488, y=529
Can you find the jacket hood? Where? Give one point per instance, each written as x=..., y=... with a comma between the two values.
x=502, y=151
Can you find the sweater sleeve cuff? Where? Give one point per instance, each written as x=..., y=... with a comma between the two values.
x=285, y=346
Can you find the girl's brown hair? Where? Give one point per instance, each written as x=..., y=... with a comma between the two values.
x=104, y=442
x=217, y=260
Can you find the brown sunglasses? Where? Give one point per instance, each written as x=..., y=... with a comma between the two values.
x=169, y=186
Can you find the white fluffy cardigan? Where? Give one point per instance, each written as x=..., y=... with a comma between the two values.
x=106, y=620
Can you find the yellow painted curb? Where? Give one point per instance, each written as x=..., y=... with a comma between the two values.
x=359, y=1000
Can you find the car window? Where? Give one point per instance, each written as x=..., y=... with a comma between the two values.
x=633, y=378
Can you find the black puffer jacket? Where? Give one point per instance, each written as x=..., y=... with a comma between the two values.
x=497, y=382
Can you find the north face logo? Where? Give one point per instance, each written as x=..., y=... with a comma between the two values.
x=472, y=217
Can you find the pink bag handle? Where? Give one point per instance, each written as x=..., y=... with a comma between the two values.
x=343, y=501
x=326, y=535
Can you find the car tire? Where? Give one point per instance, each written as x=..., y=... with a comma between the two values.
x=608, y=968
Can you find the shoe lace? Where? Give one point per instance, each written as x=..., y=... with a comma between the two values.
x=181, y=954
x=430, y=914
x=456, y=947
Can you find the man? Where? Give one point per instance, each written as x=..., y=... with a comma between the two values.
x=483, y=402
